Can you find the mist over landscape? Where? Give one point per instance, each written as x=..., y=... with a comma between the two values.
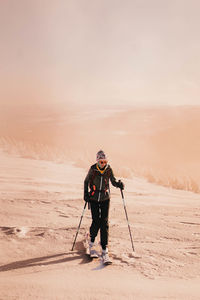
x=160, y=144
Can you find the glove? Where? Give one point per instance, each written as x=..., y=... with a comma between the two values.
x=86, y=197
x=120, y=185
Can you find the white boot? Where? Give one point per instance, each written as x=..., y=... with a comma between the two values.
x=105, y=257
x=91, y=247
x=92, y=250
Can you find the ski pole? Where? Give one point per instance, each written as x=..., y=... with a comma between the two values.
x=79, y=225
x=127, y=219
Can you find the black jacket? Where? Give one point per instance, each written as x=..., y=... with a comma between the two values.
x=98, y=182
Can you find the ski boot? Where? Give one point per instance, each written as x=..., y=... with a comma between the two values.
x=105, y=257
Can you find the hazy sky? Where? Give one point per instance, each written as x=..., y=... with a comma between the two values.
x=109, y=51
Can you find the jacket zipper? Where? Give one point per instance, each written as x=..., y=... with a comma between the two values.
x=100, y=189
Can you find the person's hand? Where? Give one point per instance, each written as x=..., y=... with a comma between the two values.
x=86, y=198
x=120, y=185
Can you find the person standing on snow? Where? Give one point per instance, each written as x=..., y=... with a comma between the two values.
x=98, y=196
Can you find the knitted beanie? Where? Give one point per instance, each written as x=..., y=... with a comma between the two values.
x=101, y=155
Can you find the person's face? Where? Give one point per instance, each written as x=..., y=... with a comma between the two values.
x=102, y=163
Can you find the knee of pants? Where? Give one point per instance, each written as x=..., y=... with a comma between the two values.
x=96, y=222
x=104, y=222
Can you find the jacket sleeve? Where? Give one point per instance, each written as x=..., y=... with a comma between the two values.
x=86, y=183
x=113, y=179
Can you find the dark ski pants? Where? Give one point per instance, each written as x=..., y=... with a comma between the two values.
x=100, y=213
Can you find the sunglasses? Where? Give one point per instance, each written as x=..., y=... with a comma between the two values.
x=103, y=162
